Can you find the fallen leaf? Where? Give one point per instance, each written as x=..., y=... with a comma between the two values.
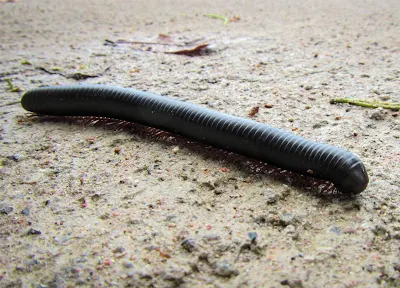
x=234, y=19
x=164, y=38
x=196, y=51
x=163, y=254
x=254, y=111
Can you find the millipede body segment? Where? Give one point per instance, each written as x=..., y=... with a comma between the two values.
x=243, y=136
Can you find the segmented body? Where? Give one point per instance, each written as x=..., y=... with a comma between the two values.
x=240, y=135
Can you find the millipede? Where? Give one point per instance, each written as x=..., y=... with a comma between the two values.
x=240, y=135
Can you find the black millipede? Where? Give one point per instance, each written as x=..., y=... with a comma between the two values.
x=243, y=136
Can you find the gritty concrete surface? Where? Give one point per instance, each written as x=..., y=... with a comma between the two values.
x=99, y=203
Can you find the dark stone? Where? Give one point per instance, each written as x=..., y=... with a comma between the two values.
x=25, y=211
x=34, y=232
x=225, y=269
x=5, y=209
x=188, y=244
x=252, y=236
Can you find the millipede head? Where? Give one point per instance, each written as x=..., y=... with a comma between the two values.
x=355, y=181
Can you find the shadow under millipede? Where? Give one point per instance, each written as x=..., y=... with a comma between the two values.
x=256, y=168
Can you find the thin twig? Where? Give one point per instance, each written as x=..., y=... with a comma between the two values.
x=215, y=16
x=122, y=41
x=367, y=104
x=75, y=75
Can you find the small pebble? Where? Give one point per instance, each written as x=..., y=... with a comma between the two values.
x=379, y=114
x=290, y=230
x=252, y=236
x=61, y=240
x=119, y=249
x=349, y=230
x=271, y=199
x=127, y=264
x=170, y=217
x=16, y=157
x=5, y=209
x=292, y=283
x=188, y=244
x=286, y=219
x=31, y=262
x=25, y=211
x=34, y=232
x=335, y=230
x=211, y=237
x=261, y=220
x=321, y=124
x=175, y=150
x=225, y=269
x=182, y=235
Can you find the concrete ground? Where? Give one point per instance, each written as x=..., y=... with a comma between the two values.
x=100, y=203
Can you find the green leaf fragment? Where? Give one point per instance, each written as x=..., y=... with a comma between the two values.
x=25, y=62
x=11, y=87
x=215, y=16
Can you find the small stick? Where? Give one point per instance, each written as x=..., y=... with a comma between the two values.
x=122, y=41
x=225, y=19
x=367, y=104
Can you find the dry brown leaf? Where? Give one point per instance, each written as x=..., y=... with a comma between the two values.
x=254, y=111
x=196, y=51
x=234, y=19
x=164, y=38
